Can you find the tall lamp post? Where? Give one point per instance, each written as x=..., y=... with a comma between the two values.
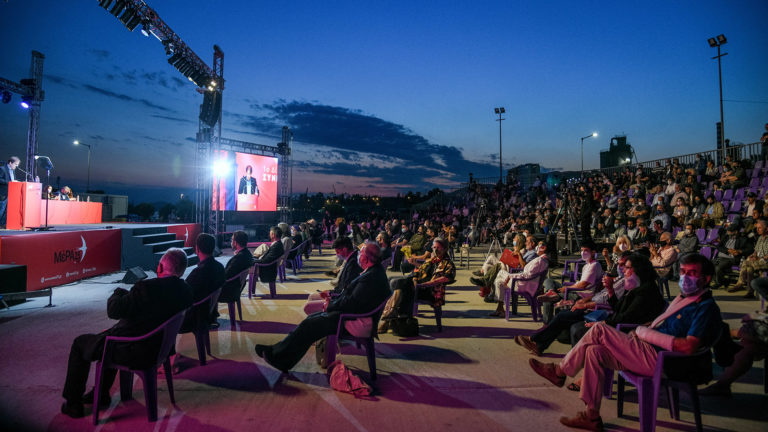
x=77, y=143
x=500, y=111
x=593, y=134
x=717, y=41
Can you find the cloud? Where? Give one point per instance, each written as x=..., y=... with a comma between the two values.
x=99, y=53
x=176, y=119
x=125, y=97
x=343, y=141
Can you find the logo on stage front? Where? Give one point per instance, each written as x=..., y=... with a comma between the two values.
x=75, y=255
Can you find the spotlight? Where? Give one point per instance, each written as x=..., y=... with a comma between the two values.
x=721, y=39
x=25, y=102
x=145, y=28
x=712, y=42
x=6, y=96
x=220, y=168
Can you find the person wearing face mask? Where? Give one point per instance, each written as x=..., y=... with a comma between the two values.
x=713, y=213
x=731, y=248
x=681, y=211
x=623, y=244
x=688, y=242
x=619, y=229
x=663, y=255
x=690, y=322
x=631, y=229
x=755, y=263
x=504, y=280
x=661, y=215
x=405, y=236
x=591, y=273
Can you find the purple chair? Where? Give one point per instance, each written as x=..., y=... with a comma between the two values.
x=718, y=195
x=567, y=272
x=739, y=195
x=168, y=330
x=755, y=182
x=255, y=274
x=201, y=331
x=735, y=207
x=296, y=258
x=701, y=233
x=648, y=388
x=243, y=277
x=531, y=299
x=707, y=252
x=333, y=341
x=712, y=235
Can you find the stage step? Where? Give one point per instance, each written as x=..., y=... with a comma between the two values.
x=156, y=238
x=164, y=246
x=192, y=258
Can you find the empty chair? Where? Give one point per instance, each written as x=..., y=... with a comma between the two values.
x=701, y=234
x=712, y=235
x=735, y=207
x=718, y=195
x=739, y=195
x=438, y=288
x=758, y=166
x=707, y=252
x=267, y=273
x=754, y=182
x=167, y=331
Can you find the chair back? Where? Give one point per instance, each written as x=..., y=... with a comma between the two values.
x=212, y=299
x=372, y=314
x=168, y=329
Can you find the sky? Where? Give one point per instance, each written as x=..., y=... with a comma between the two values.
x=384, y=97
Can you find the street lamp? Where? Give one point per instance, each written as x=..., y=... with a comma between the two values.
x=76, y=142
x=717, y=42
x=593, y=134
x=500, y=111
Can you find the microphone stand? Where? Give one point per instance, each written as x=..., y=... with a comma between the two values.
x=48, y=165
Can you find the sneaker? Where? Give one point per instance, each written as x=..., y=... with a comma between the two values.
x=527, y=343
x=582, y=421
x=477, y=281
x=548, y=371
x=549, y=296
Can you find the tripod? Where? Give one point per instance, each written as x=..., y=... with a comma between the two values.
x=565, y=211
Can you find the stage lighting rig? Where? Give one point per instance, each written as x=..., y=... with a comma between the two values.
x=131, y=13
x=6, y=96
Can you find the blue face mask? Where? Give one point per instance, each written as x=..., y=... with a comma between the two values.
x=688, y=284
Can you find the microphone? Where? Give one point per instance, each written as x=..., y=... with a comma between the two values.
x=22, y=170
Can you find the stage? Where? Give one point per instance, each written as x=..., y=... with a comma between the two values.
x=67, y=253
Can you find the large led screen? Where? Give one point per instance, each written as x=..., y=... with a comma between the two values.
x=245, y=182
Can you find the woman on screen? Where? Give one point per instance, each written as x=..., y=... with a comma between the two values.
x=248, y=183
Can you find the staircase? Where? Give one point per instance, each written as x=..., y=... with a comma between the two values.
x=143, y=247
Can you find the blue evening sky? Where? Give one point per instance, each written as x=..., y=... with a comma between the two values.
x=385, y=97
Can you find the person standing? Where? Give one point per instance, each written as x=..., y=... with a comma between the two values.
x=6, y=176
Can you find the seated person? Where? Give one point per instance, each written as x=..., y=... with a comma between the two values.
x=241, y=260
x=276, y=250
x=755, y=263
x=691, y=321
x=402, y=240
x=147, y=305
x=438, y=269
x=731, y=248
x=410, y=263
x=484, y=277
x=364, y=294
x=591, y=273
x=296, y=240
x=504, y=279
x=663, y=255
x=65, y=194
x=382, y=238
x=349, y=271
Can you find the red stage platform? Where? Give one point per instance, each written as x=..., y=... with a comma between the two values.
x=72, y=252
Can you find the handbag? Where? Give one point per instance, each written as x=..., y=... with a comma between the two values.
x=342, y=379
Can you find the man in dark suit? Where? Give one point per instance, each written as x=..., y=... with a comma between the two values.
x=275, y=251
x=248, y=183
x=6, y=176
x=206, y=278
x=148, y=304
x=350, y=270
x=241, y=260
x=364, y=294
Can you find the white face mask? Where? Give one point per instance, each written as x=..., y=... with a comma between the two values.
x=537, y=249
x=585, y=255
x=623, y=247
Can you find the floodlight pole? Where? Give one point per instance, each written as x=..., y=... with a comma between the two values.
x=582, y=150
x=87, y=188
x=500, y=111
x=720, y=84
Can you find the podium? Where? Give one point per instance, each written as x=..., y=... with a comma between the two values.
x=26, y=208
x=24, y=201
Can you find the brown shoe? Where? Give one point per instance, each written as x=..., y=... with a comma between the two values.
x=477, y=273
x=582, y=421
x=527, y=343
x=548, y=371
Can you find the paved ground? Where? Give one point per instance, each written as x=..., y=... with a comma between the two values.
x=469, y=377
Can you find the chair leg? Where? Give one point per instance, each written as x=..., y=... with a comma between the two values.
x=239, y=309
x=200, y=343
x=507, y=295
x=370, y=352
x=273, y=289
x=620, y=383
x=126, y=385
x=232, y=317
x=673, y=400
x=694, y=395
x=96, y=394
x=439, y=317
x=149, y=377
x=331, y=346
x=648, y=402
x=168, y=380
x=207, y=342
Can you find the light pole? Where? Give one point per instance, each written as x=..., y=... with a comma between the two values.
x=500, y=111
x=76, y=142
x=593, y=134
x=717, y=42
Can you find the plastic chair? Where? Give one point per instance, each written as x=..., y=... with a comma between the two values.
x=333, y=341
x=531, y=299
x=701, y=233
x=242, y=276
x=706, y=251
x=439, y=308
x=296, y=258
x=728, y=195
x=201, y=331
x=718, y=195
x=712, y=235
x=255, y=275
x=572, y=275
x=168, y=330
x=648, y=388
x=735, y=207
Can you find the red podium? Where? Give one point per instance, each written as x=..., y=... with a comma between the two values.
x=24, y=199
x=26, y=208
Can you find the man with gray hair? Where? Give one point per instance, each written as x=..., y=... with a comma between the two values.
x=364, y=294
x=148, y=304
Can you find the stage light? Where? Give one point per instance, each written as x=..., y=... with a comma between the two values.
x=712, y=42
x=25, y=102
x=6, y=96
x=220, y=168
x=721, y=39
x=145, y=28
x=213, y=83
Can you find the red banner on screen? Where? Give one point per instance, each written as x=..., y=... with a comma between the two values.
x=186, y=232
x=57, y=258
x=245, y=182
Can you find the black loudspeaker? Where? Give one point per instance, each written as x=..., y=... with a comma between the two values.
x=133, y=275
x=13, y=278
x=211, y=107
